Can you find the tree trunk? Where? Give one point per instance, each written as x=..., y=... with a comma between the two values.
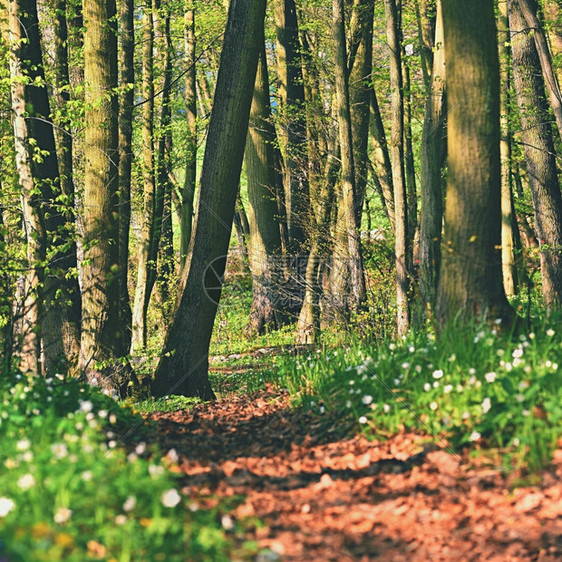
x=432, y=157
x=145, y=266
x=101, y=329
x=294, y=141
x=188, y=191
x=126, y=100
x=529, y=11
x=470, y=280
x=51, y=283
x=265, y=237
x=348, y=246
x=539, y=155
x=509, y=224
x=402, y=248
x=183, y=368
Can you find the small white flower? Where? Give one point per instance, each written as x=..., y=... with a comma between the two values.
x=392, y=346
x=447, y=388
x=486, y=405
x=490, y=377
x=517, y=353
x=427, y=387
x=411, y=349
x=23, y=445
x=112, y=418
x=550, y=332
x=405, y=365
x=532, y=336
x=26, y=482
x=474, y=436
x=519, y=398
x=516, y=442
x=500, y=352
x=62, y=515
x=465, y=415
x=433, y=406
x=27, y=456
x=453, y=358
x=348, y=404
x=170, y=498
x=437, y=374
x=526, y=413
x=367, y=399
x=460, y=388
x=155, y=470
x=362, y=419
x=60, y=450
x=386, y=408
x=436, y=384
x=227, y=522
x=102, y=414
x=130, y=503
x=6, y=505
x=121, y=519
x=86, y=405
x=173, y=455
x=87, y=475
x=140, y=448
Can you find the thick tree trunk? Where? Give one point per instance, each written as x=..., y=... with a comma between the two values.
x=101, y=329
x=265, y=236
x=402, y=248
x=432, y=157
x=470, y=281
x=183, y=368
x=539, y=155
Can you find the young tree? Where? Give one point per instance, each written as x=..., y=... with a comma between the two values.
x=470, y=280
x=183, y=368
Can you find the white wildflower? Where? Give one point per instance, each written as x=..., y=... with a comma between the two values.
x=362, y=419
x=486, y=405
x=130, y=503
x=490, y=377
x=437, y=374
x=427, y=387
x=60, y=450
x=386, y=408
x=23, y=444
x=550, y=332
x=474, y=436
x=433, y=406
x=447, y=388
x=26, y=482
x=367, y=399
x=170, y=498
x=6, y=505
x=62, y=515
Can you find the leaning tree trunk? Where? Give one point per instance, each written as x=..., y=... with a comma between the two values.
x=183, y=368
x=539, y=155
x=432, y=156
x=470, y=281
x=102, y=332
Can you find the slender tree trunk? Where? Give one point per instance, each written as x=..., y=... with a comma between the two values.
x=291, y=94
x=539, y=155
x=101, y=329
x=432, y=157
x=188, y=191
x=529, y=11
x=470, y=281
x=402, y=248
x=509, y=223
x=360, y=95
x=381, y=156
x=126, y=100
x=426, y=14
x=145, y=266
x=553, y=17
x=183, y=368
x=348, y=201
x=51, y=282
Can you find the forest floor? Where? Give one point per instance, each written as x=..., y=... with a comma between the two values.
x=323, y=493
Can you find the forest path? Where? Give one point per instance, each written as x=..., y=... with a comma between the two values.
x=324, y=497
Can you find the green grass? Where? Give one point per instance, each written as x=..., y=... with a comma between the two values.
x=70, y=490
x=474, y=387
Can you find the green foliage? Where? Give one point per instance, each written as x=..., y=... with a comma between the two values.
x=71, y=491
x=471, y=386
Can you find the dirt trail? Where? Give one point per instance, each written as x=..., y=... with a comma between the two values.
x=324, y=497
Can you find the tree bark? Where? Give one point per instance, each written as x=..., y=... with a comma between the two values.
x=183, y=368
x=101, y=329
x=539, y=155
x=470, y=280
x=402, y=248
x=432, y=157
x=145, y=265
